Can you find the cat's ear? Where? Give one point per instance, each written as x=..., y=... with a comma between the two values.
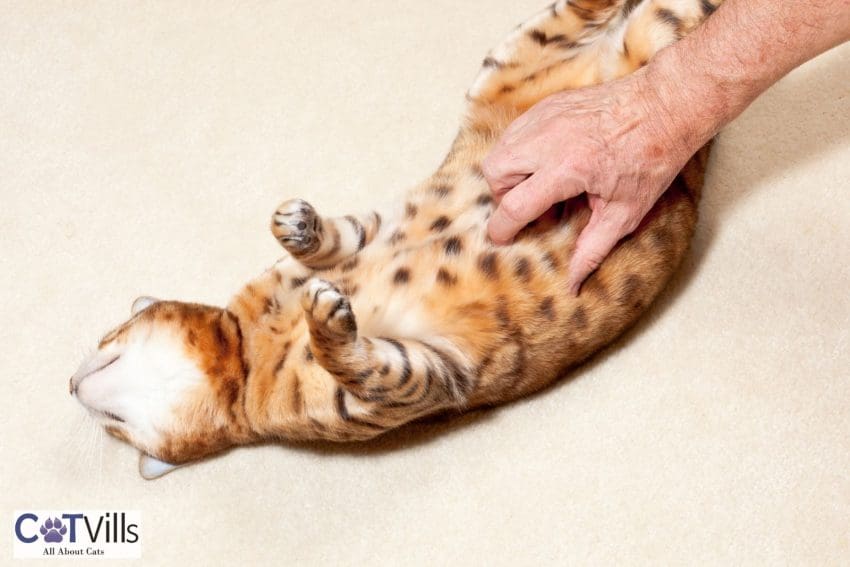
x=151, y=468
x=142, y=303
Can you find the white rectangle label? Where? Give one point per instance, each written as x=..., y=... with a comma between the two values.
x=77, y=534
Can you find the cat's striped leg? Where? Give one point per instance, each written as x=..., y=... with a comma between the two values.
x=391, y=372
x=319, y=242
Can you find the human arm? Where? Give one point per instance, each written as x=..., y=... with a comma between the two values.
x=623, y=142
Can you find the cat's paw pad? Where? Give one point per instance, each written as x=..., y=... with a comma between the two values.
x=328, y=309
x=296, y=226
x=53, y=530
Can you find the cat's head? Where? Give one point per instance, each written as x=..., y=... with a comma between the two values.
x=170, y=382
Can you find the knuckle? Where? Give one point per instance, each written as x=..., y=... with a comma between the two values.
x=591, y=260
x=629, y=220
x=621, y=218
x=489, y=167
x=631, y=224
x=513, y=207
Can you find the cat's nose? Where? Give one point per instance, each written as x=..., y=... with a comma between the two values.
x=87, y=368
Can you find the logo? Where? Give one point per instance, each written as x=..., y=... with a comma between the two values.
x=83, y=534
x=53, y=530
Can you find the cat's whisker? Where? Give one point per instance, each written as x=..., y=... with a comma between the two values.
x=91, y=437
x=100, y=442
x=80, y=433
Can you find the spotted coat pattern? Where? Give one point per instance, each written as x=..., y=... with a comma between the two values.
x=371, y=321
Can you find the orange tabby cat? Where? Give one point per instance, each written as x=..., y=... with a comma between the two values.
x=375, y=320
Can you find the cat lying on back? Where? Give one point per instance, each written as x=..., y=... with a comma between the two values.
x=375, y=320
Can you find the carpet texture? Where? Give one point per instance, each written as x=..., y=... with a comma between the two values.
x=142, y=149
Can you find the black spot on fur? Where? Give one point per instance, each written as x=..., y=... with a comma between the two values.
x=397, y=237
x=544, y=40
x=298, y=282
x=484, y=199
x=270, y=304
x=538, y=36
x=445, y=277
x=707, y=7
x=501, y=312
x=522, y=269
x=670, y=18
x=401, y=276
x=551, y=261
x=453, y=246
x=661, y=239
x=630, y=292
x=440, y=224
x=441, y=190
x=491, y=62
x=410, y=210
x=578, y=318
x=350, y=265
x=487, y=264
x=547, y=307
x=630, y=5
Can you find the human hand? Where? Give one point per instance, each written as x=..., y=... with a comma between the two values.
x=617, y=142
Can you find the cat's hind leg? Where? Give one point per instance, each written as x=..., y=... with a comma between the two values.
x=397, y=373
x=319, y=242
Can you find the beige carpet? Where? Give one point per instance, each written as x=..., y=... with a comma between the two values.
x=142, y=148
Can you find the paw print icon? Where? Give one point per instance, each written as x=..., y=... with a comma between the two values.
x=53, y=530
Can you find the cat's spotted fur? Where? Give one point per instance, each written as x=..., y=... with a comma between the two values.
x=372, y=321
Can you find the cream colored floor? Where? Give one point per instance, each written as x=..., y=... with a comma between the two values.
x=142, y=148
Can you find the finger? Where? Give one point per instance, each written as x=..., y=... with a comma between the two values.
x=526, y=202
x=595, y=242
x=504, y=169
x=509, y=183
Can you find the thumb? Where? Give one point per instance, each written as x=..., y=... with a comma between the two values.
x=526, y=202
x=595, y=242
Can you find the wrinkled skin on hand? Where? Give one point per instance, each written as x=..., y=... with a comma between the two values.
x=617, y=142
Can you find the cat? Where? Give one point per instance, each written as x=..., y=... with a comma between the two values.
x=372, y=321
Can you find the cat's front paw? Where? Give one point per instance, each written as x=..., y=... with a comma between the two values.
x=327, y=310
x=297, y=227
